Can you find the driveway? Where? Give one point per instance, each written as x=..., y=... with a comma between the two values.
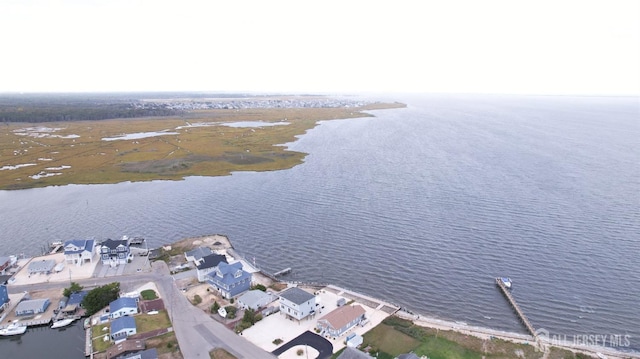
x=323, y=346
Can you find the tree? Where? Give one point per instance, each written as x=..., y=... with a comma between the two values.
x=100, y=297
x=74, y=288
x=215, y=307
x=260, y=287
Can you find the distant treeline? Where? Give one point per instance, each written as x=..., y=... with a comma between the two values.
x=36, y=108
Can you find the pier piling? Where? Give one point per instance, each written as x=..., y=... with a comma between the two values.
x=516, y=307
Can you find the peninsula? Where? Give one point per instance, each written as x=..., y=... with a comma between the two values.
x=59, y=140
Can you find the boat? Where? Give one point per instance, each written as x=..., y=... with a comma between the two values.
x=62, y=323
x=13, y=329
x=506, y=282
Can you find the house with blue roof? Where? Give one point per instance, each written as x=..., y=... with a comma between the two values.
x=123, y=327
x=79, y=251
x=229, y=279
x=4, y=297
x=208, y=264
x=74, y=302
x=123, y=306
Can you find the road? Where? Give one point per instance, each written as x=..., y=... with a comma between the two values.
x=197, y=333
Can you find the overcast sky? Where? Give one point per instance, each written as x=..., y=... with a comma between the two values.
x=532, y=47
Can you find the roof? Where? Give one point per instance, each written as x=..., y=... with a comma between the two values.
x=42, y=265
x=4, y=260
x=296, y=295
x=353, y=353
x=228, y=272
x=210, y=261
x=127, y=346
x=76, y=298
x=80, y=244
x=408, y=356
x=145, y=354
x=122, y=302
x=198, y=252
x=340, y=317
x=113, y=244
x=253, y=297
x=33, y=305
x=122, y=323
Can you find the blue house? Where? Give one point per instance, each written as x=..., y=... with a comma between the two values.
x=4, y=297
x=31, y=307
x=229, y=279
x=123, y=306
x=123, y=327
x=115, y=252
x=74, y=302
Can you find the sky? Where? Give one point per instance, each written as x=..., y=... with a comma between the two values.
x=580, y=47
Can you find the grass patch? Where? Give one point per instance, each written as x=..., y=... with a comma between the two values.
x=386, y=339
x=164, y=344
x=220, y=353
x=97, y=334
x=146, y=323
x=149, y=294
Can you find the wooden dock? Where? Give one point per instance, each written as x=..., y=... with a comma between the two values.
x=282, y=272
x=516, y=307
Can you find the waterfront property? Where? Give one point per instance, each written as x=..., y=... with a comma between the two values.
x=254, y=299
x=114, y=252
x=5, y=263
x=208, y=264
x=123, y=327
x=229, y=279
x=125, y=347
x=197, y=254
x=352, y=353
x=79, y=251
x=340, y=320
x=297, y=303
x=31, y=307
x=43, y=266
x=123, y=306
x=74, y=302
x=145, y=354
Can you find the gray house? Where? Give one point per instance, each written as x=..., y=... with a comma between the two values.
x=254, y=299
x=197, y=254
x=31, y=307
x=297, y=303
x=41, y=266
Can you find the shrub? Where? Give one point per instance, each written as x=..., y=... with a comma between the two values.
x=231, y=311
x=215, y=307
x=300, y=352
x=231, y=300
x=197, y=299
x=277, y=341
x=260, y=287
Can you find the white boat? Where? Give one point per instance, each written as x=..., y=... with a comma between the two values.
x=62, y=323
x=506, y=282
x=13, y=329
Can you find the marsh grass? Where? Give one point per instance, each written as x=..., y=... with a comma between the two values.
x=196, y=151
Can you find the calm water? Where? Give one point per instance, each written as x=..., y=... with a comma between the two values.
x=423, y=206
x=44, y=342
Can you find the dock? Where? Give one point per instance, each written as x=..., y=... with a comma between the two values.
x=516, y=307
x=282, y=272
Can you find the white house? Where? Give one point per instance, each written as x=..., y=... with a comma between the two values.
x=123, y=306
x=123, y=327
x=79, y=251
x=340, y=320
x=208, y=264
x=297, y=303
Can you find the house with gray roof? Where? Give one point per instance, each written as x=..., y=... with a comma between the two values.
x=33, y=306
x=340, y=320
x=208, y=264
x=229, y=279
x=353, y=353
x=255, y=299
x=79, y=251
x=123, y=327
x=197, y=254
x=37, y=266
x=297, y=303
x=145, y=354
x=114, y=252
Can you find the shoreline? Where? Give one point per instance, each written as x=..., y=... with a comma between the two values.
x=485, y=333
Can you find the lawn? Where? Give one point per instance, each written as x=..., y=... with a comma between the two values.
x=148, y=322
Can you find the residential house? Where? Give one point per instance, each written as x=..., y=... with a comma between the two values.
x=5, y=263
x=229, y=279
x=341, y=319
x=123, y=306
x=353, y=353
x=125, y=347
x=123, y=327
x=79, y=251
x=41, y=266
x=254, y=299
x=208, y=264
x=4, y=298
x=114, y=252
x=33, y=306
x=145, y=354
x=197, y=254
x=408, y=356
x=297, y=303
x=74, y=303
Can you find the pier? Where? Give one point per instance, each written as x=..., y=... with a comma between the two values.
x=516, y=307
x=282, y=272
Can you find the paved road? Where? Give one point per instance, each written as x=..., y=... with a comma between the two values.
x=323, y=346
x=197, y=333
